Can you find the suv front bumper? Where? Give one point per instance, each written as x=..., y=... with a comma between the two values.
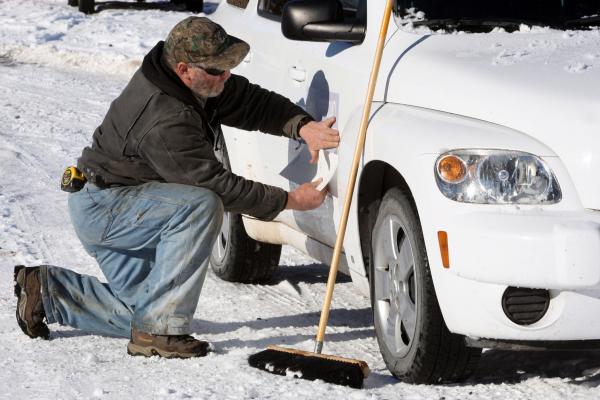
x=534, y=248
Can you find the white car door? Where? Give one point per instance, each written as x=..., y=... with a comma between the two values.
x=269, y=159
x=327, y=79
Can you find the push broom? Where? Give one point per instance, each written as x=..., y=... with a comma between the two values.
x=304, y=364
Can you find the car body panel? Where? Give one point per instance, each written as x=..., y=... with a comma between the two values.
x=525, y=91
x=505, y=79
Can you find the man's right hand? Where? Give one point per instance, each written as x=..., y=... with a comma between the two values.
x=306, y=197
x=320, y=135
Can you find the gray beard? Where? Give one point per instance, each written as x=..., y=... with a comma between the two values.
x=205, y=94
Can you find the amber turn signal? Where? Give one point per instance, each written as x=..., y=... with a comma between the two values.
x=452, y=169
x=443, y=240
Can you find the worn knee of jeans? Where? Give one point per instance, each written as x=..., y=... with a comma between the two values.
x=203, y=221
x=208, y=206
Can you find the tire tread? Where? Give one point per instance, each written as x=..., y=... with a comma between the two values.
x=248, y=260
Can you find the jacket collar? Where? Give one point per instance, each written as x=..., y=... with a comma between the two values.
x=163, y=77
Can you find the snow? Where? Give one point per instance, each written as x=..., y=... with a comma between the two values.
x=59, y=70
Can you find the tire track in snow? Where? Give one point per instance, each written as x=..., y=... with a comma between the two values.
x=39, y=120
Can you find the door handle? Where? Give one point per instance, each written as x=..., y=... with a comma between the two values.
x=297, y=74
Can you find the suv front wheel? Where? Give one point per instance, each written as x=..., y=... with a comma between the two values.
x=414, y=341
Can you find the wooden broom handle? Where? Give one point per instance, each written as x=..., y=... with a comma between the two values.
x=360, y=144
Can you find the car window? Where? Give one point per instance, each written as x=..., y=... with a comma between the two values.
x=271, y=9
x=350, y=5
x=238, y=3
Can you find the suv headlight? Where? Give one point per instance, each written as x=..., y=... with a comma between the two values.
x=496, y=177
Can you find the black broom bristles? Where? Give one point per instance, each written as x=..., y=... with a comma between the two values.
x=311, y=366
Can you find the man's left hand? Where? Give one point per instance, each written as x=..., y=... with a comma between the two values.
x=320, y=135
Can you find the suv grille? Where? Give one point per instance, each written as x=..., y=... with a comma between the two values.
x=525, y=306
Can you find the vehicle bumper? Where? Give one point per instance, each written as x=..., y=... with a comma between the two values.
x=535, y=248
x=474, y=309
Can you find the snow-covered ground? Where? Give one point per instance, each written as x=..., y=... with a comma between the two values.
x=59, y=70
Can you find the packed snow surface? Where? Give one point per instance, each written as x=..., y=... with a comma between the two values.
x=59, y=70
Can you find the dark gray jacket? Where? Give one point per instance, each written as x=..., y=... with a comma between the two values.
x=157, y=130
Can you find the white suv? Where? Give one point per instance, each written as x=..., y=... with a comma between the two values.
x=476, y=217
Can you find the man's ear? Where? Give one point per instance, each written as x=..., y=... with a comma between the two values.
x=181, y=68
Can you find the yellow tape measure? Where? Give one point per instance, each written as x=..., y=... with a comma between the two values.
x=72, y=180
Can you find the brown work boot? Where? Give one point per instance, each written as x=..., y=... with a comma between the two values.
x=168, y=346
x=30, y=308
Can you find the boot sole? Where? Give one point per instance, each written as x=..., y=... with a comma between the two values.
x=18, y=268
x=150, y=351
x=19, y=279
x=21, y=299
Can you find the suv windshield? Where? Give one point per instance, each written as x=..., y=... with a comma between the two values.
x=484, y=15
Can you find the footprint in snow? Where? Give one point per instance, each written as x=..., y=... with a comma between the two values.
x=49, y=37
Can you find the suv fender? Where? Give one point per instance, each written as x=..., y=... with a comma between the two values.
x=402, y=145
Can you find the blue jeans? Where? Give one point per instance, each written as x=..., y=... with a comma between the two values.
x=152, y=243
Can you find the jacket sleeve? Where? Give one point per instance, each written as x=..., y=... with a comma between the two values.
x=177, y=149
x=247, y=106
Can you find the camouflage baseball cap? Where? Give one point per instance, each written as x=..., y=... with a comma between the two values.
x=199, y=40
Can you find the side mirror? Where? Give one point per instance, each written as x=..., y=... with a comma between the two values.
x=320, y=21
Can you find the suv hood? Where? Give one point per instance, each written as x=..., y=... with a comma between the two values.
x=545, y=84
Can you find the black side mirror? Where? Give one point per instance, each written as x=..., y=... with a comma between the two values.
x=319, y=21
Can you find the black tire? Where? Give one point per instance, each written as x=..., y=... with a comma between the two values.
x=236, y=257
x=73, y=3
x=194, y=5
x=87, y=6
x=413, y=338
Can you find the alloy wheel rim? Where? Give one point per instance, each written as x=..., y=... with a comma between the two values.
x=220, y=246
x=395, y=286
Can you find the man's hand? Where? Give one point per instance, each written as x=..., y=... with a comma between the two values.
x=306, y=196
x=320, y=135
